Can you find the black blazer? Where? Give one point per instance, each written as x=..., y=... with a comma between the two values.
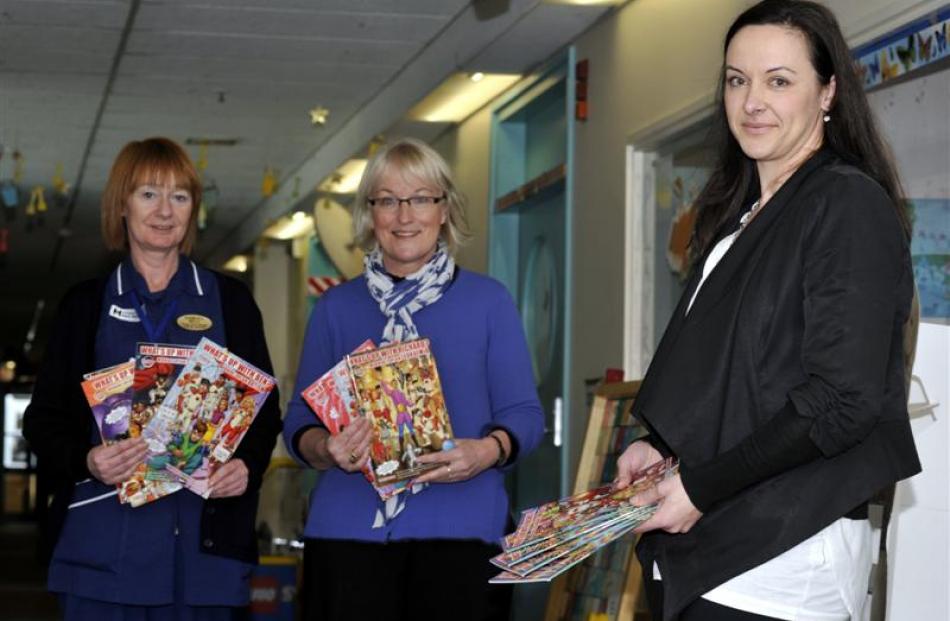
x=59, y=432
x=806, y=308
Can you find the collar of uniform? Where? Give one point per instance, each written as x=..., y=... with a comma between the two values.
x=185, y=279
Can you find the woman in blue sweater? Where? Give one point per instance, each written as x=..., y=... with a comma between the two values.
x=419, y=557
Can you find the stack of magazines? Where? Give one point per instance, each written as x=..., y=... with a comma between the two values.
x=397, y=389
x=192, y=405
x=555, y=536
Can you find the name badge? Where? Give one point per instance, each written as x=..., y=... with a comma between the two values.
x=123, y=314
x=195, y=323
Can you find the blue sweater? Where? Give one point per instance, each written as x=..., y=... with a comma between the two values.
x=485, y=370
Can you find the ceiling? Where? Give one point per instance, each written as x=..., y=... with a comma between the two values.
x=80, y=78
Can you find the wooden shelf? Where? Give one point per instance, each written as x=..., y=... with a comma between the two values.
x=531, y=188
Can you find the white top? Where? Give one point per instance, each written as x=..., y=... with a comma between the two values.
x=824, y=578
x=718, y=252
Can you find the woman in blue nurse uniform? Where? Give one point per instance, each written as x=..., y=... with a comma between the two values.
x=180, y=557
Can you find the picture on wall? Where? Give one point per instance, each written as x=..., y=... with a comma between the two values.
x=930, y=253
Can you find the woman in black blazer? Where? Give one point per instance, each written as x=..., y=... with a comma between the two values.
x=779, y=382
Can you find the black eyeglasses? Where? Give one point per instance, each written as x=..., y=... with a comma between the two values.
x=391, y=203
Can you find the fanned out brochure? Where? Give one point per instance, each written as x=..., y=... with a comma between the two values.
x=109, y=394
x=555, y=536
x=332, y=400
x=205, y=414
x=397, y=388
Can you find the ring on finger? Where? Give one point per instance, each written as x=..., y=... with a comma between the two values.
x=354, y=457
x=449, y=468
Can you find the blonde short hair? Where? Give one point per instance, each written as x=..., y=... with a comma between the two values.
x=152, y=160
x=413, y=159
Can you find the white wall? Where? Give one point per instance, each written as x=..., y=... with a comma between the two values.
x=467, y=151
x=919, y=535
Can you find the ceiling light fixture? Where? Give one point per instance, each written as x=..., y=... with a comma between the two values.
x=289, y=227
x=477, y=76
x=212, y=142
x=237, y=263
x=345, y=179
x=459, y=96
x=585, y=2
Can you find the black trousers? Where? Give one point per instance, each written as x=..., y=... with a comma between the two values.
x=699, y=610
x=401, y=581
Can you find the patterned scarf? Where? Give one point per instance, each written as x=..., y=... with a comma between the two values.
x=398, y=300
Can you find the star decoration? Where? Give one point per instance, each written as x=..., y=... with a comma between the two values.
x=318, y=116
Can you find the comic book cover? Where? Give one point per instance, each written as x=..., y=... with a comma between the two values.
x=205, y=415
x=157, y=366
x=398, y=390
x=331, y=395
x=109, y=393
x=332, y=400
x=587, y=507
x=556, y=567
x=583, y=545
x=512, y=559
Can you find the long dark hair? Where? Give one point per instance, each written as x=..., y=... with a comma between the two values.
x=852, y=132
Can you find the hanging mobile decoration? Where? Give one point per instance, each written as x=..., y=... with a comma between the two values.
x=202, y=162
x=60, y=187
x=269, y=183
x=374, y=144
x=36, y=208
x=9, y=192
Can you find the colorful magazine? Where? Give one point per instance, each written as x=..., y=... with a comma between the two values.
x=585, y=507
x=157, y=366
x=398, y=390
x=555, y=536
x=109, y=393
x=561, y=564
x=517, y=556
x=332, y=400
x=205, y=415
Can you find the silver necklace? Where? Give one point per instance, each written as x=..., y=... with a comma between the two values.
x=747, y=216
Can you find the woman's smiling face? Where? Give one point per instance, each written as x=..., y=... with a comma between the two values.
x=774, y=99
x=407, y=234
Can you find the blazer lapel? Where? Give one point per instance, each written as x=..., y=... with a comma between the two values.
x=723, y=277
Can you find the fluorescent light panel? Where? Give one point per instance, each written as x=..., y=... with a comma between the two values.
x=237, y=263
x=459, y=96
x=350, y=173
x=585, y=2
x=289, y=227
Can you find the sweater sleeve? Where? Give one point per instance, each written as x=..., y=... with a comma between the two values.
x=316, y=358
x=244, y=331
x=779, y=445
x=513, y=396
x=58, y=431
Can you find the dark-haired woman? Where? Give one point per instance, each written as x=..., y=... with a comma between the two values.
x=779, y=383
x=179, y=558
